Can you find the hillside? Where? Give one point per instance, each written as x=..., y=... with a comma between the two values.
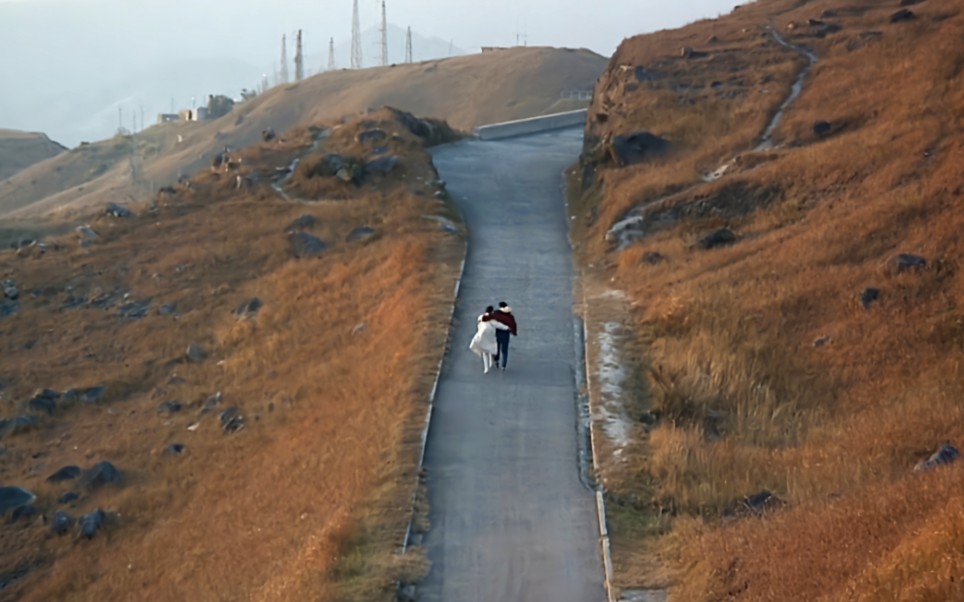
x=466, y=91
x=790, y=291
x=19, y=150
x=205, y=396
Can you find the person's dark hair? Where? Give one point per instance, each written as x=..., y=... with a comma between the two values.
x=503, y=304
x=489, y=309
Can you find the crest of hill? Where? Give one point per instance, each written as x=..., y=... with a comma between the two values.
x=466, y=91
x=19, y=150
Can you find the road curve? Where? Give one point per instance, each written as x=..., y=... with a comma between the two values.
x=511, y=521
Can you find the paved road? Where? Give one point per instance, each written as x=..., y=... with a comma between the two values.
x=511, y=521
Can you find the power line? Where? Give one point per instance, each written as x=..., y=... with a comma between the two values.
x=356, y=43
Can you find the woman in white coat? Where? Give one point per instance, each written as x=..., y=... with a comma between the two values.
x=483, y=343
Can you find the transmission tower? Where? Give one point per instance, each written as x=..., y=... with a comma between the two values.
x=283, y=77
x=331, y=54
x=408, y=46
x=384, y=32
x=356, y=44
x=299, y=60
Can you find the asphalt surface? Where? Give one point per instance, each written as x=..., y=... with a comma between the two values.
x=511, y=520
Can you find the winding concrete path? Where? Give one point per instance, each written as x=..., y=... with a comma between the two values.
x=511, y=520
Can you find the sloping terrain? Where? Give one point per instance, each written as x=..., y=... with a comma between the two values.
x=19, y=150
x=795, y=299
x=232, y=350
x=466, y=91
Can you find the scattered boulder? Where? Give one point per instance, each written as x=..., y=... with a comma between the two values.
x=168, y=309
x=822, y=341
x=169, y=408
x=371, y=136
x=17, y=425
x=69, y=497
x=910, y=2
x=653, y=257
x=87, y=234
x=945, y=455
x=195, y=354
x=306, y=245
x=248, y=308
x=210, y=403
x=135, y=310
x=828, y=14
x=67, y=473
x=869, y=296
x=92, y=522
x=100, y=474
x=175, y=449
x=903, y=15
x=688, y=53
x=758, y=503
x=118, y=210
x=905, y=262
x=305, y=222
x=231, y=420
x=382, y=165
x=12, y=498
x=821, y=128
x=61, y=523
x=631, y=149
x=23, y=513
x=362, y=233
x=719, y=238
x=107, y=300
x=643, y=74
x=267, y=135
x=10, y=289
x=88, y=395
x=8, y=308
x=44, y=401
x=379, y=150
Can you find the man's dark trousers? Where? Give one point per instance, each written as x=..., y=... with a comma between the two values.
x=502, y=338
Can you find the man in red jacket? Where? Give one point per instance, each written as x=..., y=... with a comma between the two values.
x=504, y=315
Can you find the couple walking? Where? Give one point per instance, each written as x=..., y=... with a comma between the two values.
x=491, y=340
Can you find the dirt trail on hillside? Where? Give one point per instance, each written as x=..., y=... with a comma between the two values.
x=510, y=517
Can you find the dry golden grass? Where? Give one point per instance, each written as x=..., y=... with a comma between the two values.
x=746, y=401
x=311, y=499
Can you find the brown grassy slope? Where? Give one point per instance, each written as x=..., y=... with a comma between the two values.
x=19, y=150
x=746, y=400
x=332, y=394
x=466, y=91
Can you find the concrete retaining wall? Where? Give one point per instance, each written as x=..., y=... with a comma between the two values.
x=532, y=125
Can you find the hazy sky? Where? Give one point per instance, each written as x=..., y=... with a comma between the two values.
x=67, y=66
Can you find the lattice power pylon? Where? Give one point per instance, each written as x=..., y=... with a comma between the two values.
x=299, y=59
x=356, y=43
x=384, y=35
x=283, y=76
x=331, y=54
x=408, y=46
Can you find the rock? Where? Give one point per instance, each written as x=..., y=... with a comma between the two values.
x=92, y=522
x=8, y=309
x=448, y=225
x=305, y=222
x=102, y=473
x=267, y=135
x=945, y=455
x=906, y=261
x=653, y=257
x=248, y=308
x=69, y=497
x=87, y=233
x=23, y=513
x=359, y=328
x=231, y=420
x=634, y=148
x=168, y=309
x=17, y=425
x=760, y=503
x=362, y=233
x=108, y=300
x=88, y=395
x=821, y=128
x=379, y=150
x=175, y=449
x=61, y=523
x=195, y=353
x=371, y=136
x=719, y=238
x=67, y=473
x=10, y=289
x=382, y=165
x=828, y=14
x=44, y=401
x=903, y=15
x=306, y=245
x=12, y=498
x=822, y=341
x=118, y=210
x=910, y=2
x=169, y=408
x=688, y=53
x=643, y=74
x=135, y=310
x=869, y=296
